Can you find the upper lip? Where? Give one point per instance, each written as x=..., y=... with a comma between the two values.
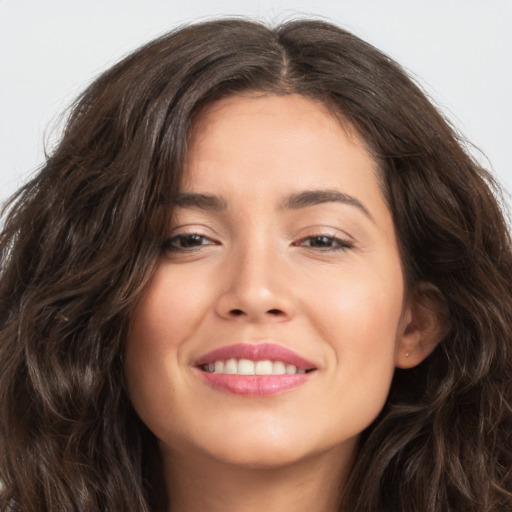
x=256, y=352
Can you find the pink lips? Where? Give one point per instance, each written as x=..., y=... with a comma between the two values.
x=255, y=385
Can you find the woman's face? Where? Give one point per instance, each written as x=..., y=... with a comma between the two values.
x=281, y=257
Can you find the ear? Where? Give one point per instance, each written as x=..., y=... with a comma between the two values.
x=424, y=324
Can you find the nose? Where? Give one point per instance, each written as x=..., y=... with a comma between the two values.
x=256, y=288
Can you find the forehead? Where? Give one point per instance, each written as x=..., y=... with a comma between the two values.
x=276, y=143
x=279, y=114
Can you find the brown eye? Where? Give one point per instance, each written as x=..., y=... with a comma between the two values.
x=186, y=241
x=325, y=242
x=322, y=242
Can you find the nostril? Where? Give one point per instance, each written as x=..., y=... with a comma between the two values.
x=236, y=312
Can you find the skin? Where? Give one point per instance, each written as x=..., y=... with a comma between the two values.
x=258, y=271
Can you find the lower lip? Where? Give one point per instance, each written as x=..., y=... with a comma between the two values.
x=254, y=385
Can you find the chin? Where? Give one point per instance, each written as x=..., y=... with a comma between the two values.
x=261, y=455
x=268, y=447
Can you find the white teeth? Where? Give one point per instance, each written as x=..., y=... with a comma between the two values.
x=290, y=369
x=247, y=367
x=278, y=368
x=263, y=367
x=231, y=366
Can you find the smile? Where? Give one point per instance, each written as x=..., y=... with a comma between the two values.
x=248, y=367
x=254, y=369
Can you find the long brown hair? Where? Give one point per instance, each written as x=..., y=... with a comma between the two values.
x=81, y=239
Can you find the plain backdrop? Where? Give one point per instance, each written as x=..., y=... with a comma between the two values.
x=460, y=51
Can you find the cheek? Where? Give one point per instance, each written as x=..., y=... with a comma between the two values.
x=165, y=318
x=358, y=304
x=359, y=322
x=171, y=310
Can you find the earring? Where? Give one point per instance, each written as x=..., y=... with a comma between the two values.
x=407, y=354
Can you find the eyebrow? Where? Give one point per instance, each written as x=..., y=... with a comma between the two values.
x=315, y=197
x=200, y=201
x=296, y=201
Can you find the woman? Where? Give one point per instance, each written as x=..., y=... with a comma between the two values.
x=258, y=272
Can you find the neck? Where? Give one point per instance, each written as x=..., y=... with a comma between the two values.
x=196, y=484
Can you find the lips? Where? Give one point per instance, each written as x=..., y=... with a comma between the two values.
x=254, y=369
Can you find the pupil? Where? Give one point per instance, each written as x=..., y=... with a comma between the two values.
x=321, y=241
x=191, y=240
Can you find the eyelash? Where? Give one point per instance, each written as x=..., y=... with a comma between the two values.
x=327, y=243
x=337, y=244
x=168, y=245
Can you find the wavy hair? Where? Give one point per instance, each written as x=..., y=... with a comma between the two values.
x=81, y=239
